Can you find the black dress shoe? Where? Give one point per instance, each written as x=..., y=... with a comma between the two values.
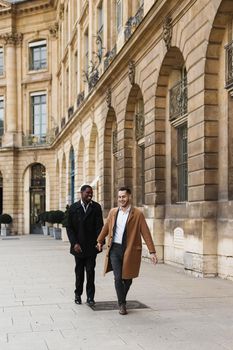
x=122, y=309
x=78, y=299
x=90, y=302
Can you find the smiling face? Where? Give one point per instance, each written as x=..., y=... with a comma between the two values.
x=124, y=199
x=87, y=195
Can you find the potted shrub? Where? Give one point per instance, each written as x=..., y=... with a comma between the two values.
x=5, y=219
x=56, y=217
x=64, y=225
x=43, y=218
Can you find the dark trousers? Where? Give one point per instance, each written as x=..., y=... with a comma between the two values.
x=121, y=285
x=85, y=264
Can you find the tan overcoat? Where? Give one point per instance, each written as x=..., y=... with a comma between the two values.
x=136, y=227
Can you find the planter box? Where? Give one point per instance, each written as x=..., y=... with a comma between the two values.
x=5, y=231
x=45, y=230
x=51, y=233
x=64, y=236
x=57, y=233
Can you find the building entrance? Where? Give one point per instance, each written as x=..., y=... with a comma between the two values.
x=37, y=197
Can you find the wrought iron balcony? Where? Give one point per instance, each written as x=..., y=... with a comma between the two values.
x=63, y=122
x=80, y=99
x=39, y=140
x=133, y=22
x=229, y=65
x=70, y=111
x=178, y=100
x=93, y=79
x=109, y=57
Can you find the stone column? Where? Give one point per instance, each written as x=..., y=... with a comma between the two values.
x=11, y=40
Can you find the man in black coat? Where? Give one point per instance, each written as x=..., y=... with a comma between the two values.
x=85, y=222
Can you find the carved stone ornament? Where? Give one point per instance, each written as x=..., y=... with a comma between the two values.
x=131, y=72
x=61, y=11
x=54, y=29
x=167, y=31
x=109, y=97
x=12, y=38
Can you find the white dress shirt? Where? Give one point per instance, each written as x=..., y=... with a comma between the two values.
x=82, y=203
x=122, y=218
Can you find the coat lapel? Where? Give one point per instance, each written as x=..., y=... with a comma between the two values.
x=131, y=215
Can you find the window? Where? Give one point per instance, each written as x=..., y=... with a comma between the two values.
x=86, y=50
x=72, y=175
x=1, y=116
x=39, y=114
x=119, y=14
x=1, y=61
x=100, y=29
x=182, y=168
x=38, y=55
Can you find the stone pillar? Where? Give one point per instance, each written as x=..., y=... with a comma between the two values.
x=11, y=40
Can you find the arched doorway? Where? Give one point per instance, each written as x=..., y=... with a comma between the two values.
x=37, y=196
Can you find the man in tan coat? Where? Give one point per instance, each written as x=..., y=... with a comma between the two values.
x=124, y=227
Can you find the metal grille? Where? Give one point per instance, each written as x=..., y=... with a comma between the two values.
x=178, y=99
x=229, y=64
x=113, y=305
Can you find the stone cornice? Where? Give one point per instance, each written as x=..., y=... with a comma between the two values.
x=24, y=8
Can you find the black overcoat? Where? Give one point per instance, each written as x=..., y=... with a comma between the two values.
x=84, y=228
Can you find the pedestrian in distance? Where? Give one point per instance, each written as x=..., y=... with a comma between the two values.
x=124, y=228
x=84, y=224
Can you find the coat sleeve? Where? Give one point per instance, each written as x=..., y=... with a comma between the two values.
x=99, y=220
x=70, y=230
x=105, y=230
x=145, y=232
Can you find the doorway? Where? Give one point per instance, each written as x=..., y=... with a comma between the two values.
x=37, y=197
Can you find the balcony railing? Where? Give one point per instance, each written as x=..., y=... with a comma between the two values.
x=70, y=111
x=109, y=57
x=229, y=64
x=133, y=22
x=80, y=99
x=63, y=122
x=178, y=100
x=39, y=140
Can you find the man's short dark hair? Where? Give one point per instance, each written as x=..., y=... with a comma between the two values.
x=126, y=189
x=84, y=187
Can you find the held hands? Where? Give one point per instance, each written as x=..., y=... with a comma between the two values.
x=154, y=258
x=77, y=248
x=99, y=247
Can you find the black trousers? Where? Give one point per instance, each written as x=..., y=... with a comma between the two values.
x=85, y=264
x=121, y=285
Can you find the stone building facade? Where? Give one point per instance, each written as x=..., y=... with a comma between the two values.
x=122, y=92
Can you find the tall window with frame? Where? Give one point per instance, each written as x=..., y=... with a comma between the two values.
x=38, y=55
x=139, y=176
x=182, y=162
x=178, y=112
x=119, y=15
x=86, y=51
x=1, y=61
x=100, y=29
x=39, y=115
x=72, y=175
x=1, y=116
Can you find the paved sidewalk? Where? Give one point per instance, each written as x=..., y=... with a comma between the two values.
x=37, y=311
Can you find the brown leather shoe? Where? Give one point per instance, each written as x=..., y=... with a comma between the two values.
x=122, y=309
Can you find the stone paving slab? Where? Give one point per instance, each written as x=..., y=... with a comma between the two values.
x=37, y=311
